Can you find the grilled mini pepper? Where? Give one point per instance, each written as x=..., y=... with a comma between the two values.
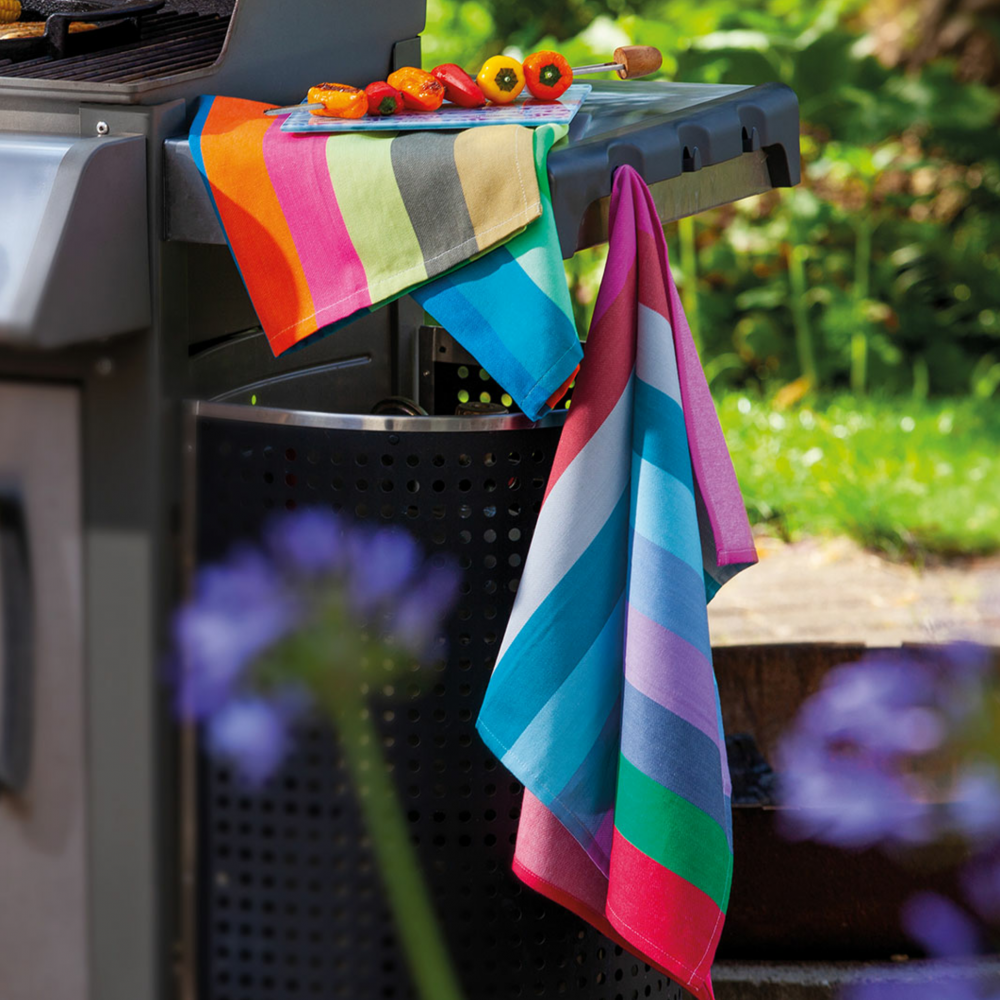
x=338, y=100
x=420, y=90
x=547, y=75
x=383, y=99
x=501, y=79
x=459, y=87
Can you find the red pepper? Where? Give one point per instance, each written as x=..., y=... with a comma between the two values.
x=547, y=75
x=459, y=87
x=383, y=99
x=421, y=91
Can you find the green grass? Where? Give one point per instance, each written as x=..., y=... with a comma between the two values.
x=915, y=480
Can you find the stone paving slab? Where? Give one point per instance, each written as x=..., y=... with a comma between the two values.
x=831, y=590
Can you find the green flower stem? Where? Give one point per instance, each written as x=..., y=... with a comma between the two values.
x=800, y=314
x=689, y=265
x=416, y=922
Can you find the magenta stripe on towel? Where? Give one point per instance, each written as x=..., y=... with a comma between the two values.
x=329, y=261
x=653, y=659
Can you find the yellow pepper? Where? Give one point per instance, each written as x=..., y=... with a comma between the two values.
x=501, y=79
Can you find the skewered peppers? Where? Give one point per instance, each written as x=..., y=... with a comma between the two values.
x=338, y=100
x=547, y=74
x=420, y=90
x=383, y=99
x=459, y=87
x=501, y=79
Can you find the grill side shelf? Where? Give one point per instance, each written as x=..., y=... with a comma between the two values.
x=697, y=146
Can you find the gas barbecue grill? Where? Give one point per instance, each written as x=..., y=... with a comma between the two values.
x=133, y=379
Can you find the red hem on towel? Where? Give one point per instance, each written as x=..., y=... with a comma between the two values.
x=601, y=923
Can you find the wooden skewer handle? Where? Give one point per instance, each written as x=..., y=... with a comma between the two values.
x=637, y=60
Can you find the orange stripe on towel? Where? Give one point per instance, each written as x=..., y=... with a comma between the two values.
x=254, y=221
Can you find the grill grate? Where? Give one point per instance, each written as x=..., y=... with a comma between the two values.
x=169, y=43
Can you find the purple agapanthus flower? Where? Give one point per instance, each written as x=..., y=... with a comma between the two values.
x=312, y=542
x=850, y=767
x=936, y=987
x=240, y=608
x=941, y=927
x=845, y=802
x=252, y=732
x=244, y=607
x=382, y=565
x=974, y=809
x=881, y=704
x=981, y=884
x=419, y=613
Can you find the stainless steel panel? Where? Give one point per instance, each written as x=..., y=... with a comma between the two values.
x=29, y=165
x=43, y=830
x=74, y=259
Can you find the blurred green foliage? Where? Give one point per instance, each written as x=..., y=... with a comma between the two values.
x=881, y=270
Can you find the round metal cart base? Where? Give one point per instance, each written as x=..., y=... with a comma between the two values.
x=289, y=902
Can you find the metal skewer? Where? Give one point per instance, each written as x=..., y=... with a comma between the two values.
x=629, y=61
x=597, y=68
x=294, y=107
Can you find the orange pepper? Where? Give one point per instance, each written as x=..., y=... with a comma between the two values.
x=547, y=75
x=501, y=79
x=338, y=100
x=421, y=91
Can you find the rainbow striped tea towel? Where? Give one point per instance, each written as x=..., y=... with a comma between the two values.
x=325, y=226
x=603, y=702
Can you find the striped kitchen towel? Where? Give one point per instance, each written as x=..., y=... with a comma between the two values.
x=603, y=702
x=323, y=227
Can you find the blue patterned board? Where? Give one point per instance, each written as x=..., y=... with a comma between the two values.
x=524, y=111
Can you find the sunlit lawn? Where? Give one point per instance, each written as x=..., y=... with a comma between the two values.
x=912, y=479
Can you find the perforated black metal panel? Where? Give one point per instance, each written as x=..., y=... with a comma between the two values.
x=289, y=901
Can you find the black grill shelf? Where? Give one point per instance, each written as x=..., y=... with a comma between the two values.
x=696, y=145
x=289, y=900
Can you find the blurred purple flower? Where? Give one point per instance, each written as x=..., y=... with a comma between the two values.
x=966, y=659
x=844, y=802
x=850, y=767
x=941, y=927
x=881, y=704
x=936, y=987
x=421, y=611
x=252, y=733
x=240, y=608
x=981, y=884
x=974, y=809
x=311, y=542
x=252, y=600
x=381, y=563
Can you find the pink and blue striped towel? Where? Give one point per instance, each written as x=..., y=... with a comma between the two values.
x=603, y=702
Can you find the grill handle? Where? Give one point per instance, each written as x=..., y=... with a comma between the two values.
x=16, y=672
x=57, y=25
